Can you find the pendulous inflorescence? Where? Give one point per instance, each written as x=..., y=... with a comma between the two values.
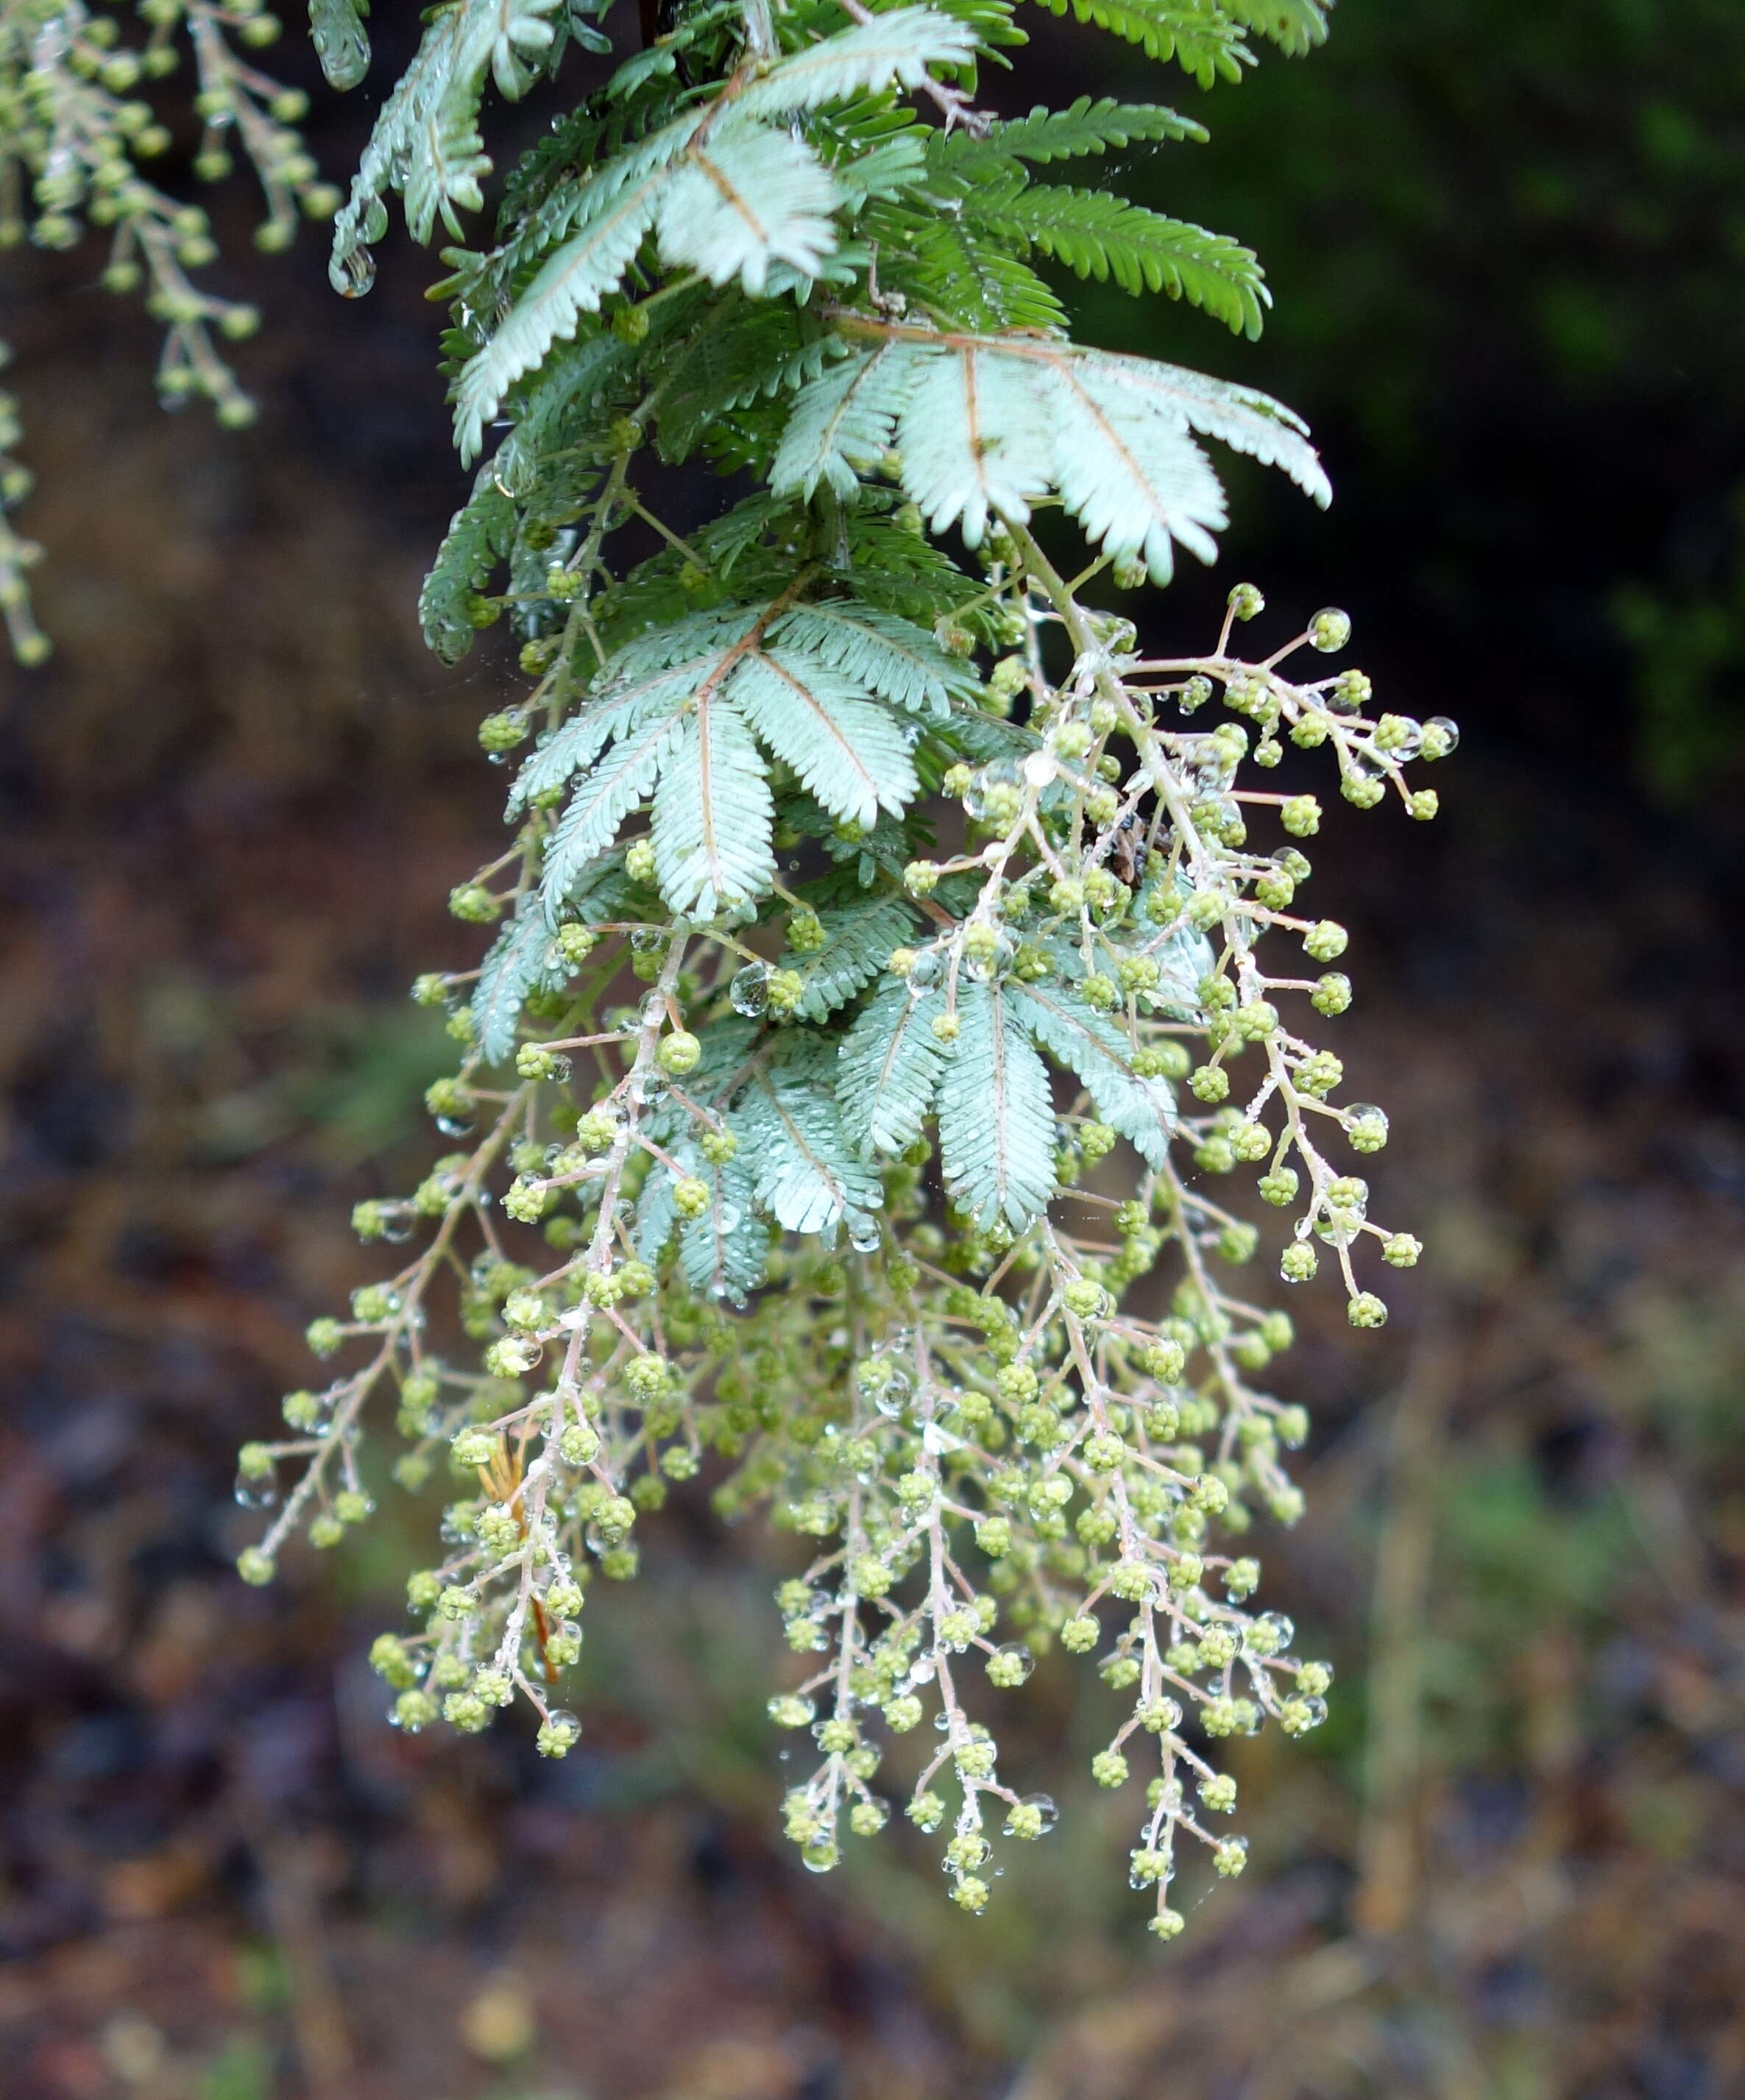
x=986, y=1093
x=897, y=972
x=79, y=138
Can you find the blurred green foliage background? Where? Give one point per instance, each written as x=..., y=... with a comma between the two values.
x=1508, y=244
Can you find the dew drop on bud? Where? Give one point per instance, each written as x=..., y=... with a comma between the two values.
x=1363, y=1119
x=257, y=1490
x=560, y=1733
x=1016, y=1661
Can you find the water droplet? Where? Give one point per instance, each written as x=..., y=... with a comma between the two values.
x=864, y=1234
x=1044, y=1805
x=257, y=1490
x=396, y=1227
x=1021, y=1661
x=749, y=991
x=1282, y=1629
x=982, y=796
x=1364, y=1119
x=513, y=471
x=1447, y=732
x=357, y=274
x=924, y=972
x=894, y=1395
x=455, y=1126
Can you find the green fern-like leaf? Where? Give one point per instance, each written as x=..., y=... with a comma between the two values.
x=443, y=178
x=997, y=1115
x=1099, y=236
x=1137, y=482
x=719, y=673
x=556, y=404
x=976, y=438
x=618, y=784
x=746, y=198
x=889, y=1069
x=745, y=352
x=843, y=420
x=725, y=1251
x=1201, y=38
x=1295, y=26
x=852, y=752
x=889, y=656
x=522, y=956
x=341, y=42
x=426, y=141
x=805, y=1174
x=712, y=815
x=479, y=536
x=1046, y=134
x=858, y=940
x=511, y=36
x=572, y=282
x=950, y=265
x=989, y=423
x=893, y=49
x=1075, y=1034
x=612, y=713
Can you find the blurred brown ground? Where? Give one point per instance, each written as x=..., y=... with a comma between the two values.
x=1515, y=1867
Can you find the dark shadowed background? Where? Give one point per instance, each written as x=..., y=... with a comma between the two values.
x=1508, y=244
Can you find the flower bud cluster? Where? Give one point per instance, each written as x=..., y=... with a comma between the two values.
x=78, y=132
x=991, y=1434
